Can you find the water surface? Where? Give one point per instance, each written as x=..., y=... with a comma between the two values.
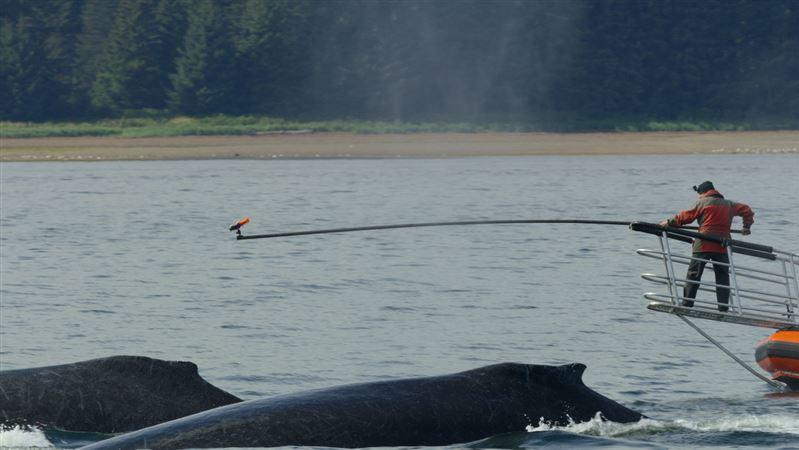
x=109, y=258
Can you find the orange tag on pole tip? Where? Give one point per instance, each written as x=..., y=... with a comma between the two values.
x=240, y=224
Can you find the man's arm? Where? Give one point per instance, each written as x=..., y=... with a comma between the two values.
x=743, y=210
x=683, y=217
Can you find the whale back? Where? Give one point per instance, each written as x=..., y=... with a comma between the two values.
x=439, y=410
x=107, y=395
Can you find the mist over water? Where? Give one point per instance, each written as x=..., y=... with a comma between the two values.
x=418, y=60
x=109, y=258
x=414, y=59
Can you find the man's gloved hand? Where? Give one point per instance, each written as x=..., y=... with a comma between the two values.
x=746, y=231
x=664, y=223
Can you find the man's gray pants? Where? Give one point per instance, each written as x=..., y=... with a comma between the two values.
x=695, y=269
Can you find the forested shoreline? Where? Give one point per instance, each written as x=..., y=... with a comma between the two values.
x=448, y=61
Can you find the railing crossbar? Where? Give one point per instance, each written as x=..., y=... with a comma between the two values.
x=768, y=280
x=788, y=255
x=685, y=260
x=682, y=282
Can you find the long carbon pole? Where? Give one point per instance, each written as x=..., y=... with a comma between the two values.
x=439, y=224
x=427, y=224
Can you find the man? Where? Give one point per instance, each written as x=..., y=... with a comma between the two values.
x=714, y=214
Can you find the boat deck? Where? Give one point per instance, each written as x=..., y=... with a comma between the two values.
x=698, y=312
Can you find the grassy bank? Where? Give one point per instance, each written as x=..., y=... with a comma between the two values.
x=216, y=125
x=254, y=125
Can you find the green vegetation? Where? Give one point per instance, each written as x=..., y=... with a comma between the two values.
x=563, y=65
x=253, y=125
x=228, y=125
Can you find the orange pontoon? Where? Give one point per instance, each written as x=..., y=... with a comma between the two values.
x=779, y=355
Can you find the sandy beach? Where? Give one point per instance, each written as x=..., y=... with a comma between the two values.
x=433, y=145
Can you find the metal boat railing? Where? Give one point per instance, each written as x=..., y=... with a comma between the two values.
x=763, y=286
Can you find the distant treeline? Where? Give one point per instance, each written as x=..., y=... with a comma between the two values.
x=404, y=60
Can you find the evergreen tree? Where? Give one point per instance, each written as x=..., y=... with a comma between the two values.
x=96, y=25
x=63, y=28
x=204, y=76
x=37, y=60
x=19, y=80
x=170, y=22
x=273, y=54
x=132, y=73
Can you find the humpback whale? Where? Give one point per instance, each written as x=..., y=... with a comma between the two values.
x=106, y=395
x=440, y=410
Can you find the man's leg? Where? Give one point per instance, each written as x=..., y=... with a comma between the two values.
x=722, y=278
x=695, y=269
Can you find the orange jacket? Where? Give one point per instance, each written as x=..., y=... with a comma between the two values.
x=714, y=214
